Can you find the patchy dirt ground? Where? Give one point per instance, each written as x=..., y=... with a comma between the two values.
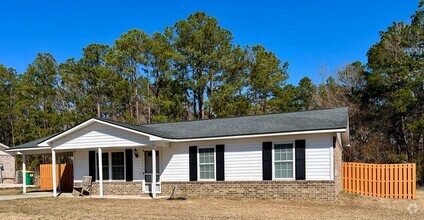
x=14, y=191
x=347, y=206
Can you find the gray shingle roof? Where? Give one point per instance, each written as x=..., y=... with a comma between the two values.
x=31, y=144
x=256, y=124
x=336, y=118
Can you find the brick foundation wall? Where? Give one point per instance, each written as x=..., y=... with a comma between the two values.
x=292, y=190
x=9, y=168
x=117, y=188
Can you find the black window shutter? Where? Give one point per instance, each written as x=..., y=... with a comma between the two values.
x=334, y=142
x=193, y=163
x=129, y=164
x=220, y=175
x=267, y=160
x=92, y=165
x=300, y=160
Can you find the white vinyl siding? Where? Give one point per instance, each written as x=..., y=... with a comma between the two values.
x=243, y=161
x=101, y=135
x=81, y=166
x=318, y=157
x=175, y=163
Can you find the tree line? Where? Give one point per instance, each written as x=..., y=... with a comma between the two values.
x=194, y=70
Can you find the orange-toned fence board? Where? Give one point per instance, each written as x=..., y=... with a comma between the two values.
x=65, y=177
x=380, y=180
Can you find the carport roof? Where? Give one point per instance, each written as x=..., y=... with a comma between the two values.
x=31, y=144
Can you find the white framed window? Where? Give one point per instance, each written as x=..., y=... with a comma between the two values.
x=283, y=159
x=206, y=168
x=118, y=165
x=105, y=165
x=113, y=164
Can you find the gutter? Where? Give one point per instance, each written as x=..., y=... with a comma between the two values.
x=251, y=136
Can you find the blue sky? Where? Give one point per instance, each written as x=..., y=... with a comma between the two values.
x=310, y=35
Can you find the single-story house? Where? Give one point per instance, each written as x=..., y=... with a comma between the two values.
x=7, y=165
x=295, y=155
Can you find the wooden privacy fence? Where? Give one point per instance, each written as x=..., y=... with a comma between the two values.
x=380, y=180
x=64, y=175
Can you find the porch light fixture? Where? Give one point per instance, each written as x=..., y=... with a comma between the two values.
x=135, y=153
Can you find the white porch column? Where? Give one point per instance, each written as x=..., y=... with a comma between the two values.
x=153, y=187
x=99, y=152
x=54, y=173
x=23, y=173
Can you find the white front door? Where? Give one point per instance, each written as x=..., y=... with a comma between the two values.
x=148, y=172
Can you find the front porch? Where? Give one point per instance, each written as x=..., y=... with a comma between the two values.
x=120, y=171
x=114, y=156
x=114, y=170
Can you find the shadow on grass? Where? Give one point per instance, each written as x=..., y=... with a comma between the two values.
x=177, y=198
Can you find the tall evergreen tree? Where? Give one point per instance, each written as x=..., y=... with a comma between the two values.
x=395, y=85
x=202, y=47
x=8, y=99
x=267, y=76
x=37, y=105
x=305, y=93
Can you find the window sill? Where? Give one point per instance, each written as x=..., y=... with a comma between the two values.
x=206, y=180
x=283, y=179
x=97, y=181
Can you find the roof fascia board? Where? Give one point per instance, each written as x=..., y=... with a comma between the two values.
x=28, y=149
x=3, y=146
x=258, y=135
x=346, y=135
x=89, y=122
x=82, y=147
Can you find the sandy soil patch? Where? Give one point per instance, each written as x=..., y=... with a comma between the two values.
x=347, y=206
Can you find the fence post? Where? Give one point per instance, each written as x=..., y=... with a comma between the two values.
x=358, y=177
x=366, y=189
x=361, y=175
x=348, y=178
x=405, y=178
x=354, y=177
x=378, y=181
x=388, y=181
x=382, y=172
x=414, y=181
x=408, y=181
x=369, y=180
x=344, y=176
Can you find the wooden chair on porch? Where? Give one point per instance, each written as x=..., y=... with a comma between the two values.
x=86, y=185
